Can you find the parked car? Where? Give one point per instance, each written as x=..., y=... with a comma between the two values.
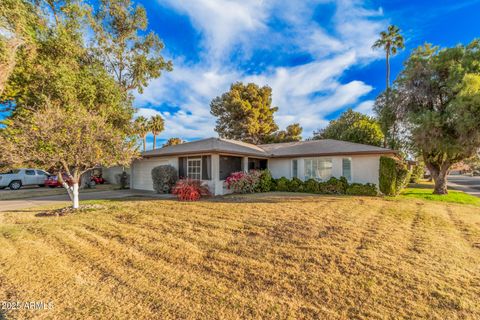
x=98, y=179
x=52, y=180
x=15, y=179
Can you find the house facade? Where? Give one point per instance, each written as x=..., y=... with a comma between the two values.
x=212, y=160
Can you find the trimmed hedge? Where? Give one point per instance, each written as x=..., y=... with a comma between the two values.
x=332, y=186
x=359, y=189
x=394, y=176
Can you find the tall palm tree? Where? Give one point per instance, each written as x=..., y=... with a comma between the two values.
x=391, y=41
x=156, y=125
x=142, y=127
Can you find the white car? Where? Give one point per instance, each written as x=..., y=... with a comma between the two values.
x=15, y=179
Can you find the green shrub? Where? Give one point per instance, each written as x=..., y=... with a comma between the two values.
x=394, y=176
x=417, y=173
x=164, y=178
x=295, y=185
x=282, y=184
x=388, y=176
x=359, y=189
x=311, y=186
x=265, y=182
x=403, y=177
x=334, y=186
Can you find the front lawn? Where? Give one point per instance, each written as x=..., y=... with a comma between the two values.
x=260, y=256
x=452, y=196
x=424, y=191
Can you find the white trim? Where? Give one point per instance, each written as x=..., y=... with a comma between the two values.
x=188, y=165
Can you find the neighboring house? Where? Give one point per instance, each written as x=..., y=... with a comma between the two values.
x=214, y=159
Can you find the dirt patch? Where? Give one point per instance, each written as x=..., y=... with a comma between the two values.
x=68, y=211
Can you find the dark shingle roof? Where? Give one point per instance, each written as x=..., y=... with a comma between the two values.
x=290, y=149
x=209, y=145
x=321, y=147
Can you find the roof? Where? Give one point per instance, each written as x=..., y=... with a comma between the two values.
x=322, y=147
x=216, y=145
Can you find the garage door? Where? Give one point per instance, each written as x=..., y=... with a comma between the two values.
x=142, y=173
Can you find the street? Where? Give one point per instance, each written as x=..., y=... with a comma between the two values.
x=470, y=185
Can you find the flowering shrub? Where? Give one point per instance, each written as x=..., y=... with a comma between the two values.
x=242, y=182
x=190, y=190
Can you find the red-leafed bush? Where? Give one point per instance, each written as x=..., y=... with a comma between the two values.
x=245, y=182
x=190, y=190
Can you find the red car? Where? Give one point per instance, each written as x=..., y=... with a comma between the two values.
x=52, y=181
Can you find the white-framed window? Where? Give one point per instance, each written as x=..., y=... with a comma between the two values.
x=294, y=168
x=318, y=169
x=194, y=168
x=347, y=168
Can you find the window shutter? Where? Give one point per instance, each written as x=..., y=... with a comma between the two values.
x=347, y=168
x=182, y=167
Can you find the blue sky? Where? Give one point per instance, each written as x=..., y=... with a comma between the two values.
x=315, y=54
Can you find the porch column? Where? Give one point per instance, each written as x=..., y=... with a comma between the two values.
x=245, y=164
x=217, y=184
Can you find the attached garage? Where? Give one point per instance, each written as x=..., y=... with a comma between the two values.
x=142, y=171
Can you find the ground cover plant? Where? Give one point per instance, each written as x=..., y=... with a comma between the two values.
x=270, y=255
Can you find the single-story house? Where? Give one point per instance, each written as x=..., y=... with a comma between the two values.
x=214, y=159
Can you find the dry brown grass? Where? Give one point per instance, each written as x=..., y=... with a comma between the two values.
x=265, y=256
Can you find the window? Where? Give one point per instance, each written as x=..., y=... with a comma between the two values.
x=347, y=168
x=41, y=172
x=30, y=172
x=228, y=165
x=294, y=168
x=318, y=169
x=206, y=167
x=194, y=168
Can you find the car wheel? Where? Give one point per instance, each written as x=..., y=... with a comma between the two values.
x=52, y=186
x=41, y=185
x=15, y=185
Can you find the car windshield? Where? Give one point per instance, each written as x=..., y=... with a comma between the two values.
x=12, y=172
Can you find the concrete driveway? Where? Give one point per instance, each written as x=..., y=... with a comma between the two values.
x=20, y=204
x=467, y=184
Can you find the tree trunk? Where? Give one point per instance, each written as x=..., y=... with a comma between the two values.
x=144, y=143
x=388, y=68
x=439, y=176
x=75, y=199
x=154, y=141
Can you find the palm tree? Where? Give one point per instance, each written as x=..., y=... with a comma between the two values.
x=141, y=127
x=391, y=41
x=156, y=125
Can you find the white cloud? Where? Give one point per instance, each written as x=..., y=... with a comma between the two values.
x=366, y=107
x=224, y=23
x=306, y=93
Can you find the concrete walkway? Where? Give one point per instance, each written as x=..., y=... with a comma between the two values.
x=20, y=204
x=467, y=184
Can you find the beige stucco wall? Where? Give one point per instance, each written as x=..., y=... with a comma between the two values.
x=141, y=175
x=364, y=167
x=110, y=174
